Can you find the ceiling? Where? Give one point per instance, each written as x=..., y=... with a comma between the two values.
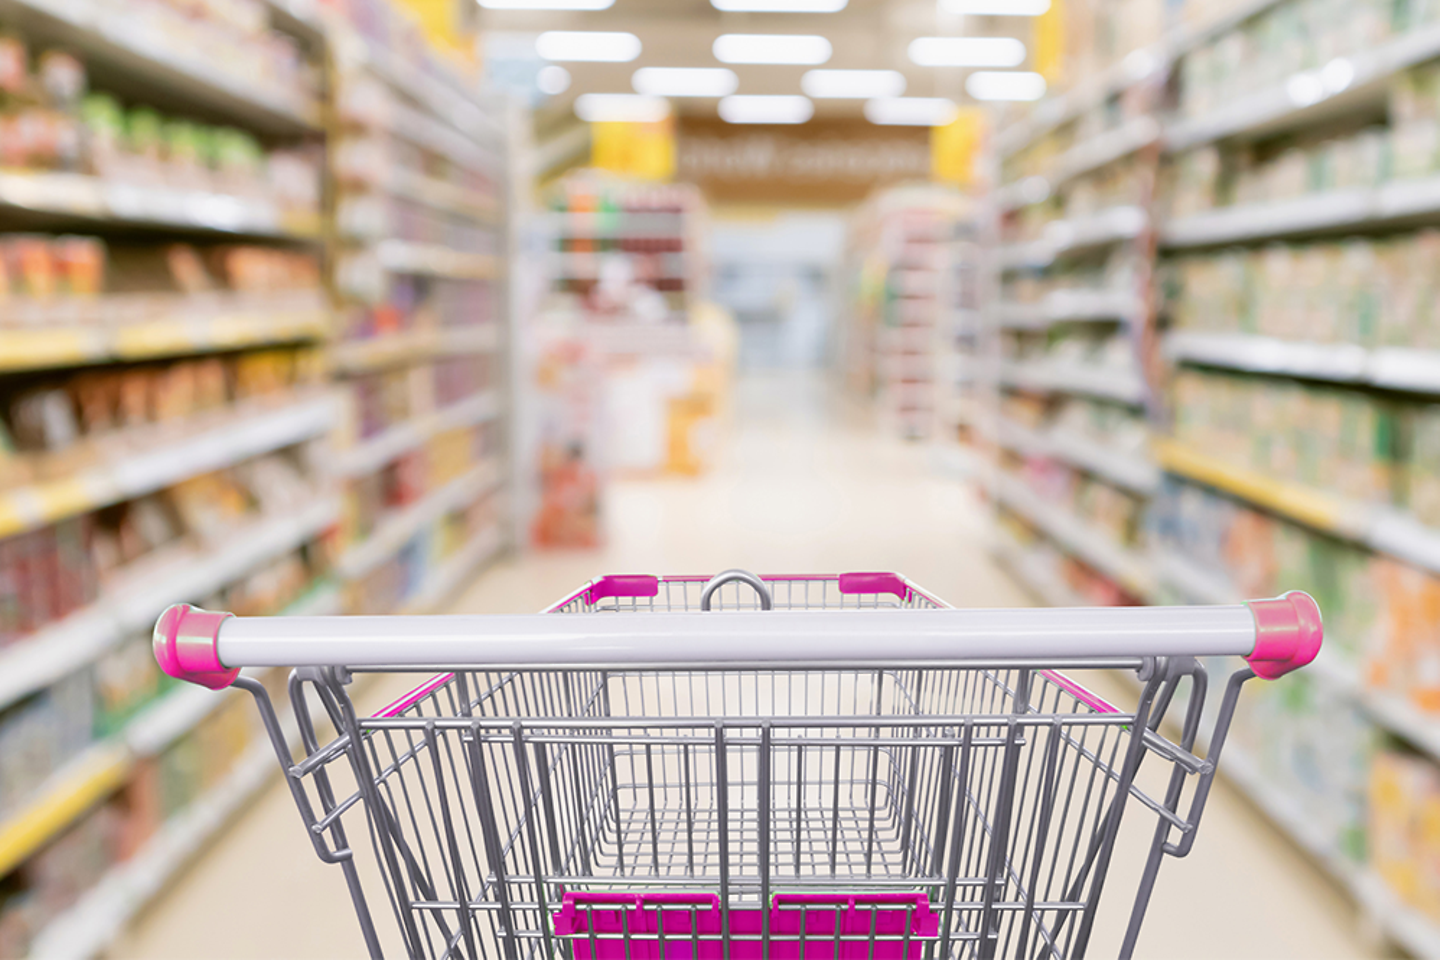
x=867, y=34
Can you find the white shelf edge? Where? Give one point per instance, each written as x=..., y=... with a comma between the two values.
x=1112, y=225
x=396, y=531
x=1120, y=386
x=1333, y=210
x=94, y=198
x=1085, y=157
x=372, y=454
x=1114, y=561
x=1416, y=371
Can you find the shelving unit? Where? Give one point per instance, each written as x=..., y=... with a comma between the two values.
x=242, y=375
x=436, y=382
x=911, y=330
x=1187, y=484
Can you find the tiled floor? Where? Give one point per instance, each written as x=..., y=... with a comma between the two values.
x=800, y=488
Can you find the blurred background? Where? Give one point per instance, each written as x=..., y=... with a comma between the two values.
x=426, y=306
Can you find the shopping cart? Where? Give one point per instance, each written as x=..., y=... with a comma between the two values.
x=832, y=767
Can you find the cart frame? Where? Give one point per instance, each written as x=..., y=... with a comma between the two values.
x=837, y=766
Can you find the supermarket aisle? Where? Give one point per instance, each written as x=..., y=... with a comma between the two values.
x=800, y=489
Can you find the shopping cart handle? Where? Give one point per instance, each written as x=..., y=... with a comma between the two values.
x=1288, y=634
x=1275, y=636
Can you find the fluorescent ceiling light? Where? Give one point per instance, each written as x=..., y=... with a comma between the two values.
x=588, y=45
x=547, y=4
x=1004, y=85
x=780, y=6
x=621, y=108
x=910, y=111
x=996, y=8
x=967, y=52
x=553, y=80
x=852, y=84
x=685, y=81
x=771, y=48
x=766, y=109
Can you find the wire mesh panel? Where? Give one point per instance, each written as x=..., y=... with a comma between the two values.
x=982, y=791
x=928, y=811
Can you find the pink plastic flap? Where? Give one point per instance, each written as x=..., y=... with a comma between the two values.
x=623, y=585
x=875, y=583
x=642, y=917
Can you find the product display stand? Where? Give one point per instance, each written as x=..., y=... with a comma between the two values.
x=1276, y=204
x=253, y=355
x=901, y=328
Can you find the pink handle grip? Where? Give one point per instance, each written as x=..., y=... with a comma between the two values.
x=1288, y=634
x=186, y=639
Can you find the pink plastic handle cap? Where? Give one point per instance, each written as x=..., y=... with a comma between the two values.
x=1288, y=634
x=186, y=646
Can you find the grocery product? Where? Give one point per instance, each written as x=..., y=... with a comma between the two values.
x=1405, y=827
x=1289, y=38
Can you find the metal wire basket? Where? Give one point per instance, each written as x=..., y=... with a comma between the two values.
x=815, y=767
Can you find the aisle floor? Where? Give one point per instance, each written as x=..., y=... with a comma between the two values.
x=800, y=488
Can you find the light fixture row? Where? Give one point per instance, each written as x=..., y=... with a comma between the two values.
x=986, y=8
x=822, y=84
x=889, y=110
x=601, y=46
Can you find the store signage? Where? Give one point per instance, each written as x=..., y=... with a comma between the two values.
x=822, y=162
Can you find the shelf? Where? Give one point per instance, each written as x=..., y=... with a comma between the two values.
x=1382, y=528
x=132, y=604
x=1068, y=306
x=444, y=197
x=398, y=348
x=1130, y=570
x=67, y=794
x=374, y=453
x=1059, y=110
x=1035, y=574
x=1073, y=236
x=427, y=259
x=425, y=131
x=1119, y=467
x=1313, y=508
x=1305, y=98
x=177, y=334
x=1120, y=386
x=93, y=199
x=1406, y=926
x=1335, y=211
x=404, y=525
x=1416, y=933
x=441, y=100
x=231, y=440
x=101, y=915
x=1386, y=709
x=130, y=52
x=454, y=571
x=1393, y=368
x=1085, y=157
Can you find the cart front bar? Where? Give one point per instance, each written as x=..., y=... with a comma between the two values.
x=1275, y=636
